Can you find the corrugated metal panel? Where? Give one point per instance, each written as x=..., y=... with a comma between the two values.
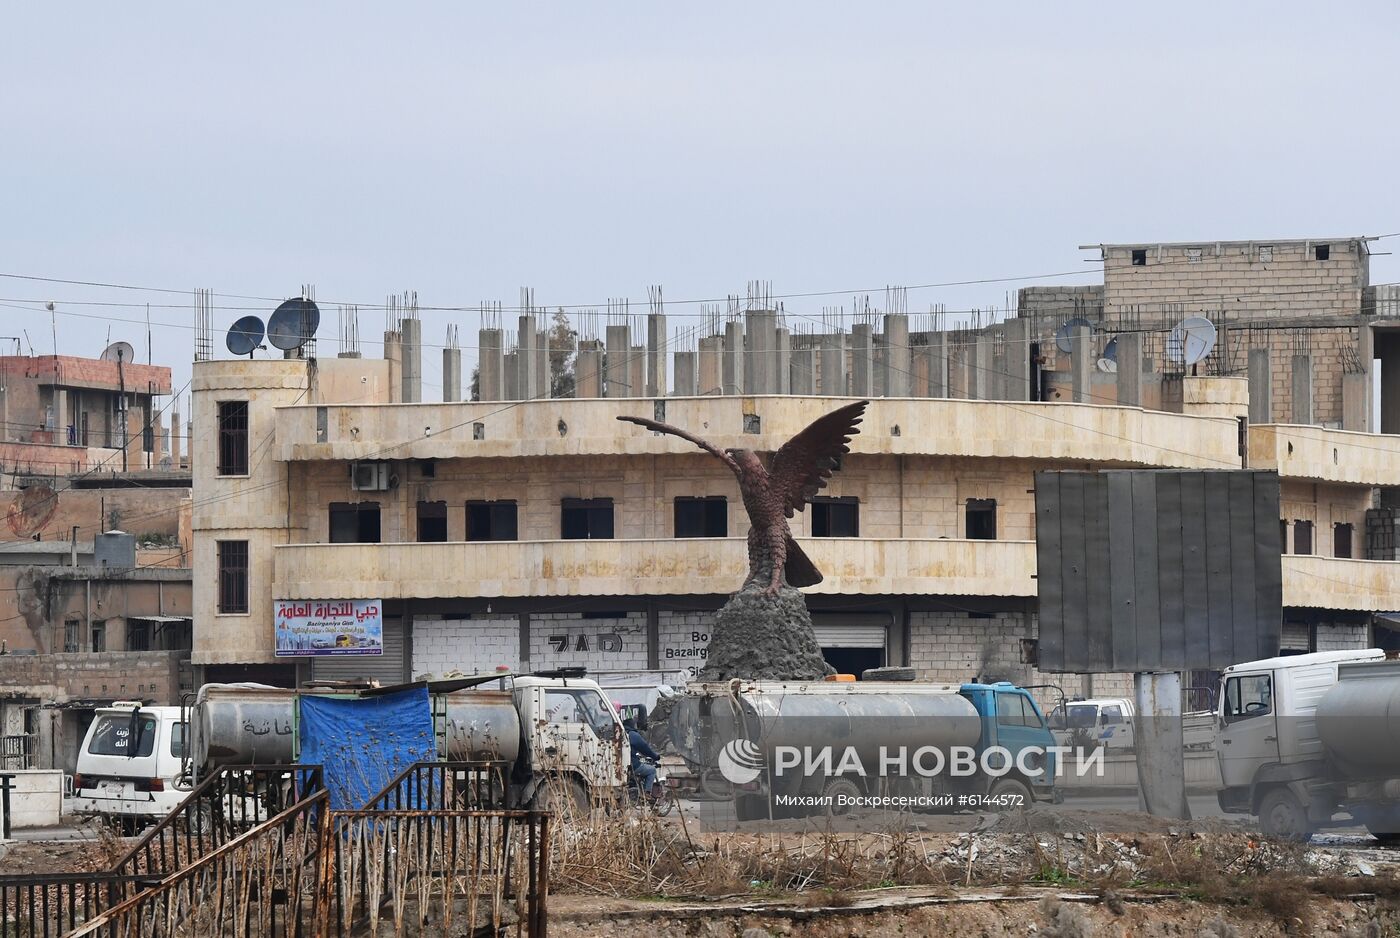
x=837, y=630
x=1143, y=570
x=387, y=668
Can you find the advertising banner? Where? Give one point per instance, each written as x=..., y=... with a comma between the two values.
x=320, y=627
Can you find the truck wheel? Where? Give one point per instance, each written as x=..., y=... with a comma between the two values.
x=562, y=797
x=1007, y=794
x=1282, y=815
x=751, y=808
x=835, y=790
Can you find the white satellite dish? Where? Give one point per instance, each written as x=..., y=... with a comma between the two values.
x=1191, y=340
x=119, y=352
x=1108, y=365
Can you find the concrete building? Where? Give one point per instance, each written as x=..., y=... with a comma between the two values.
x=82, y=624
x=548, y=533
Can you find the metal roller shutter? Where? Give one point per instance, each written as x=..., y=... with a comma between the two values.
x=839, y=630
x=387, y=668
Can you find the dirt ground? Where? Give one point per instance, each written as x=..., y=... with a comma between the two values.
x=95, y=852
x=898, y=912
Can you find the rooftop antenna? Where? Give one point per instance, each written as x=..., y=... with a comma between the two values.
x=202, y=344
x=1064, y=336
x=1190, y=341
x=119, y=352
x=245, y=336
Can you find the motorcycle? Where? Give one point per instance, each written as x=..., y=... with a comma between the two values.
x=659, y=799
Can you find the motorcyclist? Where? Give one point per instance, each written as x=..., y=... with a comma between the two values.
x=644, y=772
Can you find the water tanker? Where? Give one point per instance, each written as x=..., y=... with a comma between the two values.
x=854, y=740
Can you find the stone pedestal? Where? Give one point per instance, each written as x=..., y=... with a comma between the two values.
x=764, y=638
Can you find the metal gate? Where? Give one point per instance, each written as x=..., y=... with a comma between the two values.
x=387, y=668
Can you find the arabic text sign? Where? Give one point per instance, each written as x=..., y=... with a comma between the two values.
x=328, y=627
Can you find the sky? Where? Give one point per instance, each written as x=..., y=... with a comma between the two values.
x=591, y=150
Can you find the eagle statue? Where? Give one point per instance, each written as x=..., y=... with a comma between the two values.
x=773, y=493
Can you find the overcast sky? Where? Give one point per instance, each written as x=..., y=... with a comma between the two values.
x=589, y=150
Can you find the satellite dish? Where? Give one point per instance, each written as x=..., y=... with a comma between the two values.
x=1110, y=351
x=293, y=324
x=119, y=352
x=1107, y=365
x=245, y=336
x=1191, y=340
x=1064, y=336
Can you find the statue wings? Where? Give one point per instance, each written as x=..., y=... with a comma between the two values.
x=706, y=445
x=800, y=469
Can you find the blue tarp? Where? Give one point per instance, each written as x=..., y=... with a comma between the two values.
x=363, y=743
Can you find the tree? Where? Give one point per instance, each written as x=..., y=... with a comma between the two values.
x=563, y=344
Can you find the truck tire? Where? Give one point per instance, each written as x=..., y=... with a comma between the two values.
x=751, y=808
x=839, y=788
x=1016, y=793
x=562, y=797
x=1282, y=815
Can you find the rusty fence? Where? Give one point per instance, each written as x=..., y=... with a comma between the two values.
x=430, y=854
x=225, y=805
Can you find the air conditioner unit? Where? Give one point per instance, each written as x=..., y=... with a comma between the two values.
x=369, y=476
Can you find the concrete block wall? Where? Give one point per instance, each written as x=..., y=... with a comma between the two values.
x=471, y=646
x=1343, y=637
x=683, y=638
x=567, y=639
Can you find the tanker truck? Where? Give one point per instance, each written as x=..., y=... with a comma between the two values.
x=559, y=733
x=1303, y=739
x=803, y=749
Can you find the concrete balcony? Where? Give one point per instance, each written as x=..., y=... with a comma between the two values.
x=1307, y=452
x=1329, y=583
x=1113, y=436
x=642, y=568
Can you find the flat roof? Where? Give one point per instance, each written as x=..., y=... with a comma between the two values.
x=1206, y=242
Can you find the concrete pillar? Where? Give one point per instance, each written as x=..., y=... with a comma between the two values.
x=711, y=351
x=833, y=365
x=1130, y=369
x=760, y=372
x=541, y=368
x=802, y=371
x=732, y=364
x=1302, y=389
x=451, y=374
x=615, y=373
x=1016, y=366
x=393, y=354
x=656, y=355
x=937, y=365
x=899, y=359
x=862, y=360
x=412, y=333
x=1080, y=363
x=685, y=374
x=526, y=361
x=988, y=385
x=1160, y=745
x=510, y=375
x=1358, y=397
x=175, y=428
x=637, y=371
x=588, y=370
x=1261, y=386
x=490, y=366
x=782, y=354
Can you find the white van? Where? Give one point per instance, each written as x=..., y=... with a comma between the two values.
x=130, y=763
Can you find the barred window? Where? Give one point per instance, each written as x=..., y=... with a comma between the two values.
x=233, y=576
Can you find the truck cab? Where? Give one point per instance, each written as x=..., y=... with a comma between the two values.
x=574, y=740
x=1272, y=760
x=1105, y=722
x=131, y=760
x=1012, y=720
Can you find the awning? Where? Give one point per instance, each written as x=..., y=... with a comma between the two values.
x=162, y=619
x=1390, y=620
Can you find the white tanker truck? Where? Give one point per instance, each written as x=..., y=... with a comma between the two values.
x=560, y=734
x=1302, y=739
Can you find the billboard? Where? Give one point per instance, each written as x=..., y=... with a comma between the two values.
x=1157, y=570
x=335, y=627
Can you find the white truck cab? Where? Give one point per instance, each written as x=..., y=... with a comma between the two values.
x=1101, y=721
x=1273, y=762
x=130, y=762
x=575, y=741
